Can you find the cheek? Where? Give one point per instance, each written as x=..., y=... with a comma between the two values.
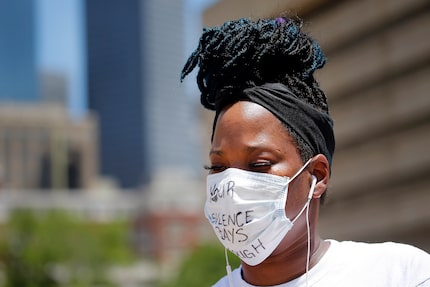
x=297, y=196
x=282, y=169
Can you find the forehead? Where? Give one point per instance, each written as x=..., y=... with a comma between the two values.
x=249, y=122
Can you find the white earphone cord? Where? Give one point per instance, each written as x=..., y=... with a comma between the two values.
x=309, y=244
x=228, y=268
x=308, y=256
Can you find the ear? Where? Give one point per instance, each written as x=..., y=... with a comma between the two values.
x=320, y=168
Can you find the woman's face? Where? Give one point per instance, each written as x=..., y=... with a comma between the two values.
x=249, y=137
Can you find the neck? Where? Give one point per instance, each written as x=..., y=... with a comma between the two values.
x=289, y=263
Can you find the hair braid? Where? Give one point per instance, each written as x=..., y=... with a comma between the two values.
x=243, y=53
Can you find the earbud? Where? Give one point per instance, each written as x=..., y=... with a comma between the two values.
x=311, y=191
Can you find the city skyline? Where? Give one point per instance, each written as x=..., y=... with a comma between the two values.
x=138, y=140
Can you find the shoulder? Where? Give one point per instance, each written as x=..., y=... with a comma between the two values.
x=407, y=262
x=392, y=249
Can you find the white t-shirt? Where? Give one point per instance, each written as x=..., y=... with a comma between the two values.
x=354, y=264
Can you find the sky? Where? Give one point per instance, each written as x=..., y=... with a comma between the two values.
x=60, y=28
x=61, y=47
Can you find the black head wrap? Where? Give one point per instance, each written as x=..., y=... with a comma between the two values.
x=313, y=126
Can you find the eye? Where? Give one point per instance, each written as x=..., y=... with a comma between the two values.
x=214, y=168
x=260, y=166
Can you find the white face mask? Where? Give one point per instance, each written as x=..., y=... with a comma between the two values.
x=247, y=211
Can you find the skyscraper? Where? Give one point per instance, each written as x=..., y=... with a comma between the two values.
x=115, y=91
x=18, y=76
x=171, y=114
x=135, y=55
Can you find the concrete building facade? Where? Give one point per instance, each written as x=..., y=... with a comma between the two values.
x=42, y=148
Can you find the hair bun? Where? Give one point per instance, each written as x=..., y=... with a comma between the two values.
x=244, y=51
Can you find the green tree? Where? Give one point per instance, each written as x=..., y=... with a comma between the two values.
x=203, y=267
x=53, y=248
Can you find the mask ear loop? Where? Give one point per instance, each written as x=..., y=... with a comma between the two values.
x=310, y=191
x=300, y=170
x=228, y=269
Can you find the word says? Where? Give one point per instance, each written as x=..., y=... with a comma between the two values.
x=229, y=226
x=231, y=234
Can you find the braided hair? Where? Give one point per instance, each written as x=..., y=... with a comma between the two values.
x=243, y=53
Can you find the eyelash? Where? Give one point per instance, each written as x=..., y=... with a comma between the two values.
x=261, y=164
x=214, y=167
x=252, y=165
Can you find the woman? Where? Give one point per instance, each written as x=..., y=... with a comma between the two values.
x=271, y=155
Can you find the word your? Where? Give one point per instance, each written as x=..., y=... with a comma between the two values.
x=222, y=191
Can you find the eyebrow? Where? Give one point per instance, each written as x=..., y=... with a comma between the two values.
x=249, y=149
x=215, y=152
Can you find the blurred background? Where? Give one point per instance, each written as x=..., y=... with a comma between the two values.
x=102, y=148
